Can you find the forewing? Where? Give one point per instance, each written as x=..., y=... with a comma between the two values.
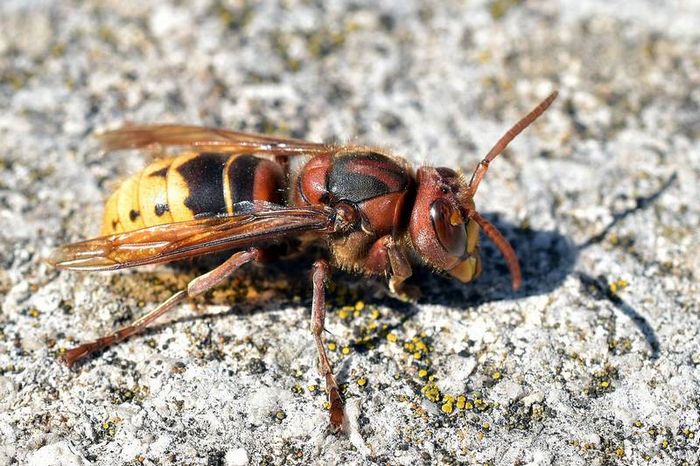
x=168, y=242
x=203, y=139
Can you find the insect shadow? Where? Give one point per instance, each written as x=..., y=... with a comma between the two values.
x=547, y=259
x=598, y=286
x=550, y=259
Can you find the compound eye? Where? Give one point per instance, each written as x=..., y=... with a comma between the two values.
x=449, y=227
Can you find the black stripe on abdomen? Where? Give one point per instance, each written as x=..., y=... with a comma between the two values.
x=241, y=176
x=204, y=175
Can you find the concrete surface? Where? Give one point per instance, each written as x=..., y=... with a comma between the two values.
x=596, y=361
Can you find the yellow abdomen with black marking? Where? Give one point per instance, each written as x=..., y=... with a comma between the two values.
x=191, y=185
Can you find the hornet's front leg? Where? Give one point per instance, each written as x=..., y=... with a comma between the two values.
x=318, y=319
x=387, y=257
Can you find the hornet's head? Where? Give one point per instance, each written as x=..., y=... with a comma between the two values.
x=444, y=225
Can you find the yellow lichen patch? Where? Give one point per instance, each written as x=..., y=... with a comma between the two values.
x=620, y=452
x=297, y=388
x=345, y=350
x=422, y=373
x=461, y=401
x=480, y=404
x=392, y=337
x=447, y=407
x=499, y=8
x=344, y=312
x=332, y=346
x=618, y=285
x=496, y=375
x=362, y=381
x=431, y=392
x=359, y=306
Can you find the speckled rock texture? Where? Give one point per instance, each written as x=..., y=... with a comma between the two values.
x=595, y=361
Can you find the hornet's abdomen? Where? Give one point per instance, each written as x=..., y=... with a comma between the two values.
x=189, y=186
x=375, y=183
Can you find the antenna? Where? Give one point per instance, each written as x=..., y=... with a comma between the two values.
x=502, y=143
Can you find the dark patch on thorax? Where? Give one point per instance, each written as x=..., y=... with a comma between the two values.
x=363, y=176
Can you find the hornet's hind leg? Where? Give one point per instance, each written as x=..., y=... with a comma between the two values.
x=318, y=319
x=194, y=288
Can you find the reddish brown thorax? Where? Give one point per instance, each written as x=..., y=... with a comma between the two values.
x=375, y=184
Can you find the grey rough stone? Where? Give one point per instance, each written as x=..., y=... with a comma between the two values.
x=595, y=361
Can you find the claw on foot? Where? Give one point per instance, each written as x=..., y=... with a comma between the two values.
x=337, y=409
x=74, y=355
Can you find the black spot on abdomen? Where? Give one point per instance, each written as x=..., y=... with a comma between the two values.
x=160, y=209
x=204, y=176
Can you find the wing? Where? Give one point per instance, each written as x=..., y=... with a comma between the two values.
x=168, y=242
x=203, y=139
